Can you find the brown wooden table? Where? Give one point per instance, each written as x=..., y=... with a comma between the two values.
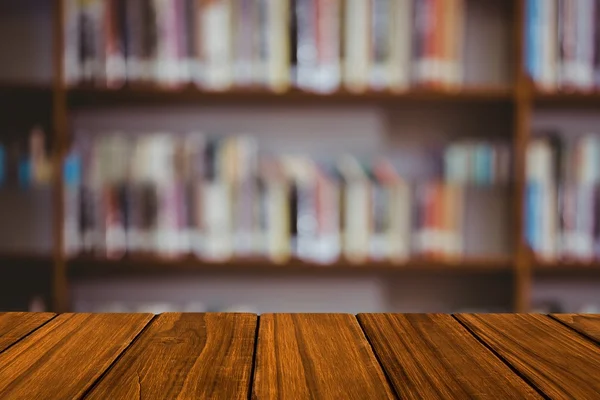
x=299, y=356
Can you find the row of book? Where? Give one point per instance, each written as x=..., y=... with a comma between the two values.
x=562, y=44
x=175, y=195
x=316, y=45
x=25, y=163
x=562, y=199
x=477, y=163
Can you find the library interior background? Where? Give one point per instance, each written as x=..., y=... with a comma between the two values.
x=266, y=156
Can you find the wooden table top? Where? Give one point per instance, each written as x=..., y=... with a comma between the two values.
x=299, y=356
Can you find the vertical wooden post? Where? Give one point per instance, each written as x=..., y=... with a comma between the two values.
x=522, y=115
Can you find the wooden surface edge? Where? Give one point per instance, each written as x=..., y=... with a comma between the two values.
x=579, y=328
x=44, y=319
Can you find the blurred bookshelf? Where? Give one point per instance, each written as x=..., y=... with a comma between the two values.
x=489, y=89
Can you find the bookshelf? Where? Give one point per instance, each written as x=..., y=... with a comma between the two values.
x=516, y=100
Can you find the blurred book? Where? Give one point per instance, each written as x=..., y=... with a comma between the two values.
x=217, y=199
x=562, y=197
x=562, y=38
x=315, y=45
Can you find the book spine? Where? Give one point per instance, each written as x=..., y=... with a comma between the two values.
x=183, y=36
x=166, y=66
x=401, y=44
x=569, y=45
x=458, y=48
x=533, y=41
x=114, y=228
x=438, y=57
x=278, y=238
x=149, y=23
x=134, y=43
x=115, y=65
x=356, y=221
x=549, y=45
x=379, y=44
x=216, y=43
x=91, y=32
x=72, y=65
x=329, y=29
x=586, y=26
x=378, y=249
x=596, y=42
x=72, y=179
x=356, y=51
x=307, y=51
x=278, y=46
x=401, y=227
x=244, y=27
x=424, y=43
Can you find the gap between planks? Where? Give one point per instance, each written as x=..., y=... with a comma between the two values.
x=28, y=334
x=578, y=331
x=504, y=361
x=253, y=366
x=118, y=358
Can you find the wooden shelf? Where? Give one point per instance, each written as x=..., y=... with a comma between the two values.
x=91, y=265
x=567, y=267
x=94, y=96
x=566, y=99
x=10, y=90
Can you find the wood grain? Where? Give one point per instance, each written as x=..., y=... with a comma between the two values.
x=186, y=356
x=560, y=362
x=316, y=356
x=432, y=356
x=14, y=326
x=62, y=359
x=586, y=324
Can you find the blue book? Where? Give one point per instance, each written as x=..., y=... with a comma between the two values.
x=24, y=173
x=532, y=206
x=72, y=170
x=532, y=41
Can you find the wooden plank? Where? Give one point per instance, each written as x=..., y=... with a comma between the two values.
x=586, y=324
x=560, y=362
x=186, y=356
x=324, y=356
x=62, y=359
x=15, y=325
x=430, y=356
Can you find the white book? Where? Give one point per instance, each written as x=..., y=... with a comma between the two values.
x=277, y=235
x=277, y=63
x=217, y=216
x=401, y=29
x=356, y=33
x=216, y=39
x=356, y=235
